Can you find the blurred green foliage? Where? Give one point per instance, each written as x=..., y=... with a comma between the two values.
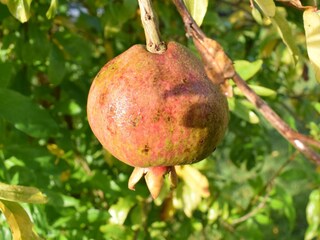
x=255, y=185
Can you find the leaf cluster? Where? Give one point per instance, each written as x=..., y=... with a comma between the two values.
x=254, y=186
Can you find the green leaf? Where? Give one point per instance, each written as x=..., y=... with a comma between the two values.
x=316, y=106
x=117, y=232
x=261, y=91
x=26, y=115
x=120, y=210
x=288, y=208
x=6, y=73
x=52, y=9
x=247, y=69
x=241, y=110
x=256, y=15
x=191, y=200
x=311, y=20
x=267, y=6
x=197, y=9
x=17, y=193
x=262, y=219
x=113, y=23
x=313, y=213
x=294, y=174
x=20, y=9
x=20, y=224
x=312, y=232
x=57, y=68
x=313, y=208
x=285, y=32
x=276, y=204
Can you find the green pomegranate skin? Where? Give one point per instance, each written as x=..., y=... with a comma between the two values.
x=157, y=109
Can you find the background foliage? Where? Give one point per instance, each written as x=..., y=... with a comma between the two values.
x=255, y=186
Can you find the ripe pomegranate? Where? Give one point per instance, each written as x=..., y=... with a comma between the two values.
x=155, y=111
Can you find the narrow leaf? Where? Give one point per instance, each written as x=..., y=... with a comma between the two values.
x=197, y=9
x=17, y=193
x=267, y=6
x=20, y=224
x=285, y=32
x=52, y=9
x=313, y=208
x=311, y=20
x=26, y=115
x=20, y=9
x=261, y=91
x=242, y=111
x=256, y=15
x=57, y=68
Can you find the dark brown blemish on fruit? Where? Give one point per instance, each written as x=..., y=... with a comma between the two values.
x=156, y=117
x=102, y=98
x=134, y=122
x=111, y=110
x=146, y=149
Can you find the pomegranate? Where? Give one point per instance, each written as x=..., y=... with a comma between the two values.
x=155, y=111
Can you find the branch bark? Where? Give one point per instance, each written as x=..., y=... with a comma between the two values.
x=218, y=63
x=150, y=25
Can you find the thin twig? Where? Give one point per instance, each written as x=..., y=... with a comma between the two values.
x=217, y=63
x=250, y=214
x=283, y=128
x=267, y=189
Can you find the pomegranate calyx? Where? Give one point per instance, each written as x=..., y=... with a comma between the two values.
x=154, y=177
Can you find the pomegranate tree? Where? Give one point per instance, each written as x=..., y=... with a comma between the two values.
x=154, y=111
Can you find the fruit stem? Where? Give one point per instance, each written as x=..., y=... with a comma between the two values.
x=151, y=27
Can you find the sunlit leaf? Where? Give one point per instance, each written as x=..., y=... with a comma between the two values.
x=17, y=193
x=247, y=69
x=191, y=199
x=214, y=212
x=267, y=6
x=261, y=91
x=313, y=215
x=120, y=210
x=311, y=20
x=317, y=106
x=195, y=179
x=26, y=115
x=20, y=224
x=262, y=219
x=197, y=9
x=116, y=231
x=242, y=111
x=195, y=187
x=256, y=15
x=312, y=232
x=313, y=208
x=20, y=9
x=285, y=32
x=52, y=9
